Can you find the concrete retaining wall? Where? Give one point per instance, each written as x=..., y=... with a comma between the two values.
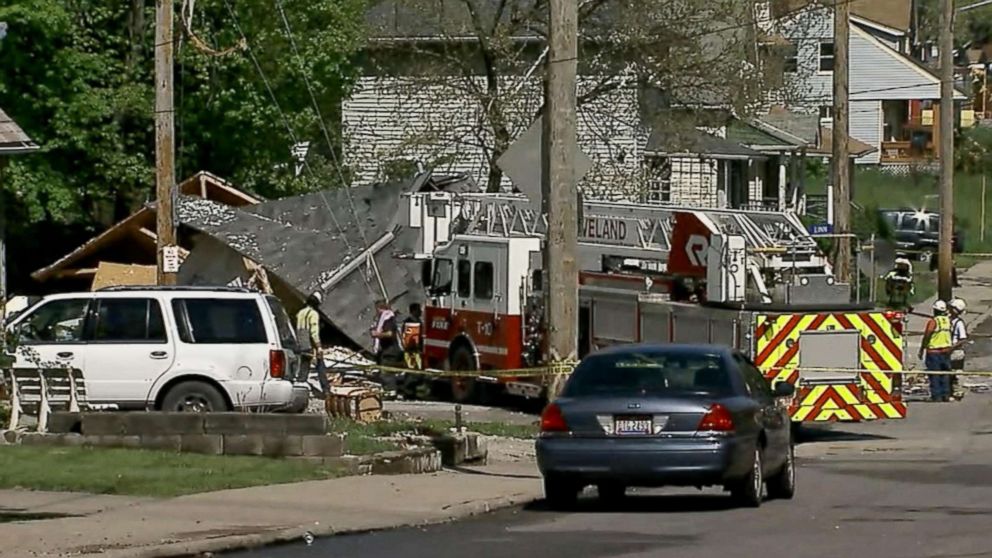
x=286, y=445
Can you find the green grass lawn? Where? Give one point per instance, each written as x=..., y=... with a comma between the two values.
x=144, y=473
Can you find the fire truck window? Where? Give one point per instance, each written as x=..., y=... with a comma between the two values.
x=464, y=278
x=484, y=280
x=441, y=283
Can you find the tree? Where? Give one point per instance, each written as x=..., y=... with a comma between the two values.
x=645, y=65
x=77, y=76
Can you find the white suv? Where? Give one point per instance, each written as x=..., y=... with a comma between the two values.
x=168, y=348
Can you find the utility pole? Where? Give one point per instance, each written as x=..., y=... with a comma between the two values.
x=945, y=258
x=841, y=161
x=559, y=188
x=165, y=145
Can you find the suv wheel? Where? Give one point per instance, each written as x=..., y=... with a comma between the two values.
x=750, y=490
x=194, y=397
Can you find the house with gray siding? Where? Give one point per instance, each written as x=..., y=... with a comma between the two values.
x=893, y=98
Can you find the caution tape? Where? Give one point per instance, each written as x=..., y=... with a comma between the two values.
x=560, y=368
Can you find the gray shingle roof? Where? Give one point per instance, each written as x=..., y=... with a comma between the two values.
x=12, y=137
x=698, y=143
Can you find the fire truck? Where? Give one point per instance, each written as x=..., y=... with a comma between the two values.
x=753, y=280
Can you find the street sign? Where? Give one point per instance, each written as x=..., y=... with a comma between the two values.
x=170, y=259
x=821, y=228
x=522, y=162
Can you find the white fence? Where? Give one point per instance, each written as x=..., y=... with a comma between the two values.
x=37, y=392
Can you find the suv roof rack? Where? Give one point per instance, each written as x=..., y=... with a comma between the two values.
x=126, y=288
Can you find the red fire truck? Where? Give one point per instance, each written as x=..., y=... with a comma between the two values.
x=756, y=281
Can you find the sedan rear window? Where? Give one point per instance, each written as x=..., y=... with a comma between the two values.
x=627, y=374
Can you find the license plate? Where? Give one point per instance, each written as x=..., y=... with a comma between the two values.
x=632, y=426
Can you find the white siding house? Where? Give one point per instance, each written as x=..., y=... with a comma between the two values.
x=891, y=95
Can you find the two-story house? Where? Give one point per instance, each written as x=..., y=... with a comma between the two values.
x=894, y=99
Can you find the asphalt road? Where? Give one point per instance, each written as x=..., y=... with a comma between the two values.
x=915, y=488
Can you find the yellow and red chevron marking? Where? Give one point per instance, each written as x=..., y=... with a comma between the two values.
x=777, y=339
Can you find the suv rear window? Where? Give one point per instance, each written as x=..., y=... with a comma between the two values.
x=215, y=321
x=640, y=373
x=287, y=335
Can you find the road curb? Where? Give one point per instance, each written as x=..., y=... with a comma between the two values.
x=295, y=534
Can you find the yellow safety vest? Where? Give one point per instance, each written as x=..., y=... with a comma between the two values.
x=941, y=338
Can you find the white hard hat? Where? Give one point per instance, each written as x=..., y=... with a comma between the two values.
x=903, y=261
x=318, y=296
x=959, y=304
x=940, y=306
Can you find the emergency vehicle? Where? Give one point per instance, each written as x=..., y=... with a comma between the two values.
x=753, y=280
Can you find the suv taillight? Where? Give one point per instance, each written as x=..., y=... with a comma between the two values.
x=552, y=419
x=718, y=419
x=277, y=363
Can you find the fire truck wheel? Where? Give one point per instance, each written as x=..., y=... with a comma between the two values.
x=463, y=390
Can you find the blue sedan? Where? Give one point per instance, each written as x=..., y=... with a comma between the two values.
x=667, y=415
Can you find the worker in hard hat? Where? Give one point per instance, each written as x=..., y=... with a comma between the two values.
x=936, y=352
x=959, y=338
x=899, y=283
x=308, y=338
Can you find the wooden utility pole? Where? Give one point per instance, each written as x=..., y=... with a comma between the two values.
x=559, y=187
x=841, y=161
x=945, y=258
x=165, y=144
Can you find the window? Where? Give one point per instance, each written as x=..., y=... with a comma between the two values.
x=484, y=280
x=826, y=113
x=286, y=333
x=826, y=56
x=790, y=59
x=648, y=373
x=128, y=320
x=660, y=181
x=755, y=380
x=58, y=321
x=216, y=321
x=441, y=281
x=464, y=278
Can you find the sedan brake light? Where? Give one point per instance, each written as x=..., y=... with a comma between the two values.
x=277, y=363
x=552, y=419
x=718, y=419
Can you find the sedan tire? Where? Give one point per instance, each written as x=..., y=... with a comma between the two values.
x=782, y=486
x=748, y=492
x=560, y=494
x=611, y=493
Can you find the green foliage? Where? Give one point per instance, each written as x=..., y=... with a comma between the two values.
x=78, y=77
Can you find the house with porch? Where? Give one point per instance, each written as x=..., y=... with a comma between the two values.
x=894, y=99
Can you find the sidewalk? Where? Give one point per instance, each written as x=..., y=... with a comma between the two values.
x=119, y=527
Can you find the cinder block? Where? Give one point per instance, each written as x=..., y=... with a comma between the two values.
x=282, y=446
x=242, y=444
x=209, y=444
x=163, y=423
x=327, y=445
x=416, y=461
x=102, y=424
x=457, y=449
x=263, y=423
x=111, y=441
x=65, y=423
x=169, y=442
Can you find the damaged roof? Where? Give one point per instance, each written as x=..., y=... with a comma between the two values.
x=700, y=143
x=12, y=137
x=323, y=241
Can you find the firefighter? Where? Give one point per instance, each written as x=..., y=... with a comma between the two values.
x=308, y=336
x=412, y=338
x=959, y=338
x=899, y=283
x=936, y=348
